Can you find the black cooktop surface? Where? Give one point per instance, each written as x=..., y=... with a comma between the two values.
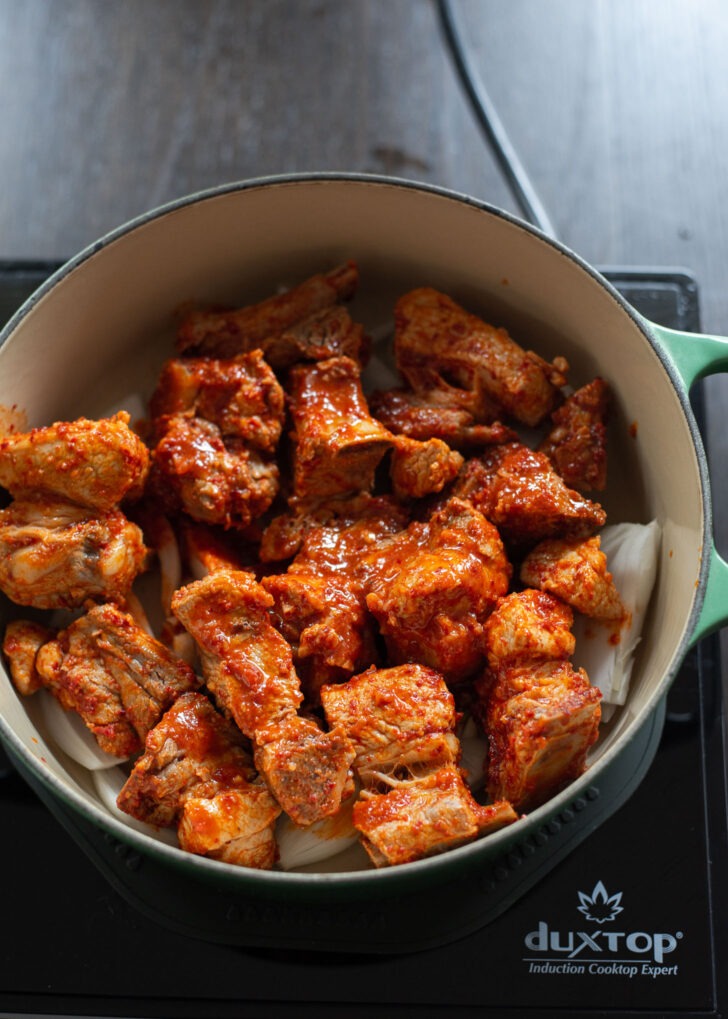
x=633, y=921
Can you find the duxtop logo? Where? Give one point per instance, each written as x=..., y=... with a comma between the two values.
x=602, y=950
x=600, y=907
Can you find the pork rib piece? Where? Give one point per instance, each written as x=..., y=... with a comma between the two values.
x=576, y=572
x=196, y=774
x=518, y=490
x=577, y=442
x=57, y=554
x=114, y=675
x=540, y=714
x=434, y=586
x=330, y=332
x=96, y=464
x=423, y=416
x=425, y=816
x=226, y=333
x=248, y=667
x=414, y=801
x=337, y=443
x=215, y=481
x=440, y=347
x=216, y=425
x=240, y=395
x=22, y=641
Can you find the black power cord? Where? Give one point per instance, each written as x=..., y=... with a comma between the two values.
x=491, y=124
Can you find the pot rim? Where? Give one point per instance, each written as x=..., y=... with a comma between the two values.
x=467, y=856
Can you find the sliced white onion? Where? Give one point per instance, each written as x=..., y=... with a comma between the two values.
x=602, y=649
x=67, y=730
x=170, y=562
x=298, y=847
x=474, y=749
x=137, y=611
x=108, y=785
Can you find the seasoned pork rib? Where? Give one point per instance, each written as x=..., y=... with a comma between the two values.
x=57, y=555
x=216, y=425
x=577, y=442
x=114, y=675
x=439, y=346
x=576, y=572
x=422, y=468
x=518, y=490
x=337, y=443
x=426, y=816
x=435, y=584
x=246, y=663
x=227, y=333
x=241, y=396
x=197, y=774
x=400, y=720
x=539, y=737
x=325, y=621
x=414, y=800
x=330, y=332
x=319, y=603
x=529, y=626
x=286, y=533
x=306, y=769
x=95, y=464
x=248, y=668
x=22, y=641
x=421, y=416
x=540, y=714
x=214, y=481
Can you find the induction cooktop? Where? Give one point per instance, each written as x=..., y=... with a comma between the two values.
x=630, y=919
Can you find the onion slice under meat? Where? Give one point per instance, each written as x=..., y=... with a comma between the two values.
x=299, y=847
x=474, y=751
x=68, y=731
x=604, y=650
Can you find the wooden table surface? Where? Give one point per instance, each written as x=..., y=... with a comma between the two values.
x=617, y=108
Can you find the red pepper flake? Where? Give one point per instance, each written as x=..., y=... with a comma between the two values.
x=633, y=429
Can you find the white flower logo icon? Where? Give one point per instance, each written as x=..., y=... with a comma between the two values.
x=600, y=906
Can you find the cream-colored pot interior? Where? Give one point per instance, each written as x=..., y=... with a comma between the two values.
x=102, y=327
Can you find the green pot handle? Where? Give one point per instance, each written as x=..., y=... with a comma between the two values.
x=694, y=356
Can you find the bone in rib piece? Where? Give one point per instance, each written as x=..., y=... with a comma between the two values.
x=575, y=571
x=96, y=464
x=226, y=333
x=540, y=714
x=434, y=585
x=441, y=347
x=114, y=675
x=57, y=555
x=414, y=801
x=248, y=668
x=577, y=442
x=196, y=774
x=519, y=491
x=216, y=425
x=337, y=443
